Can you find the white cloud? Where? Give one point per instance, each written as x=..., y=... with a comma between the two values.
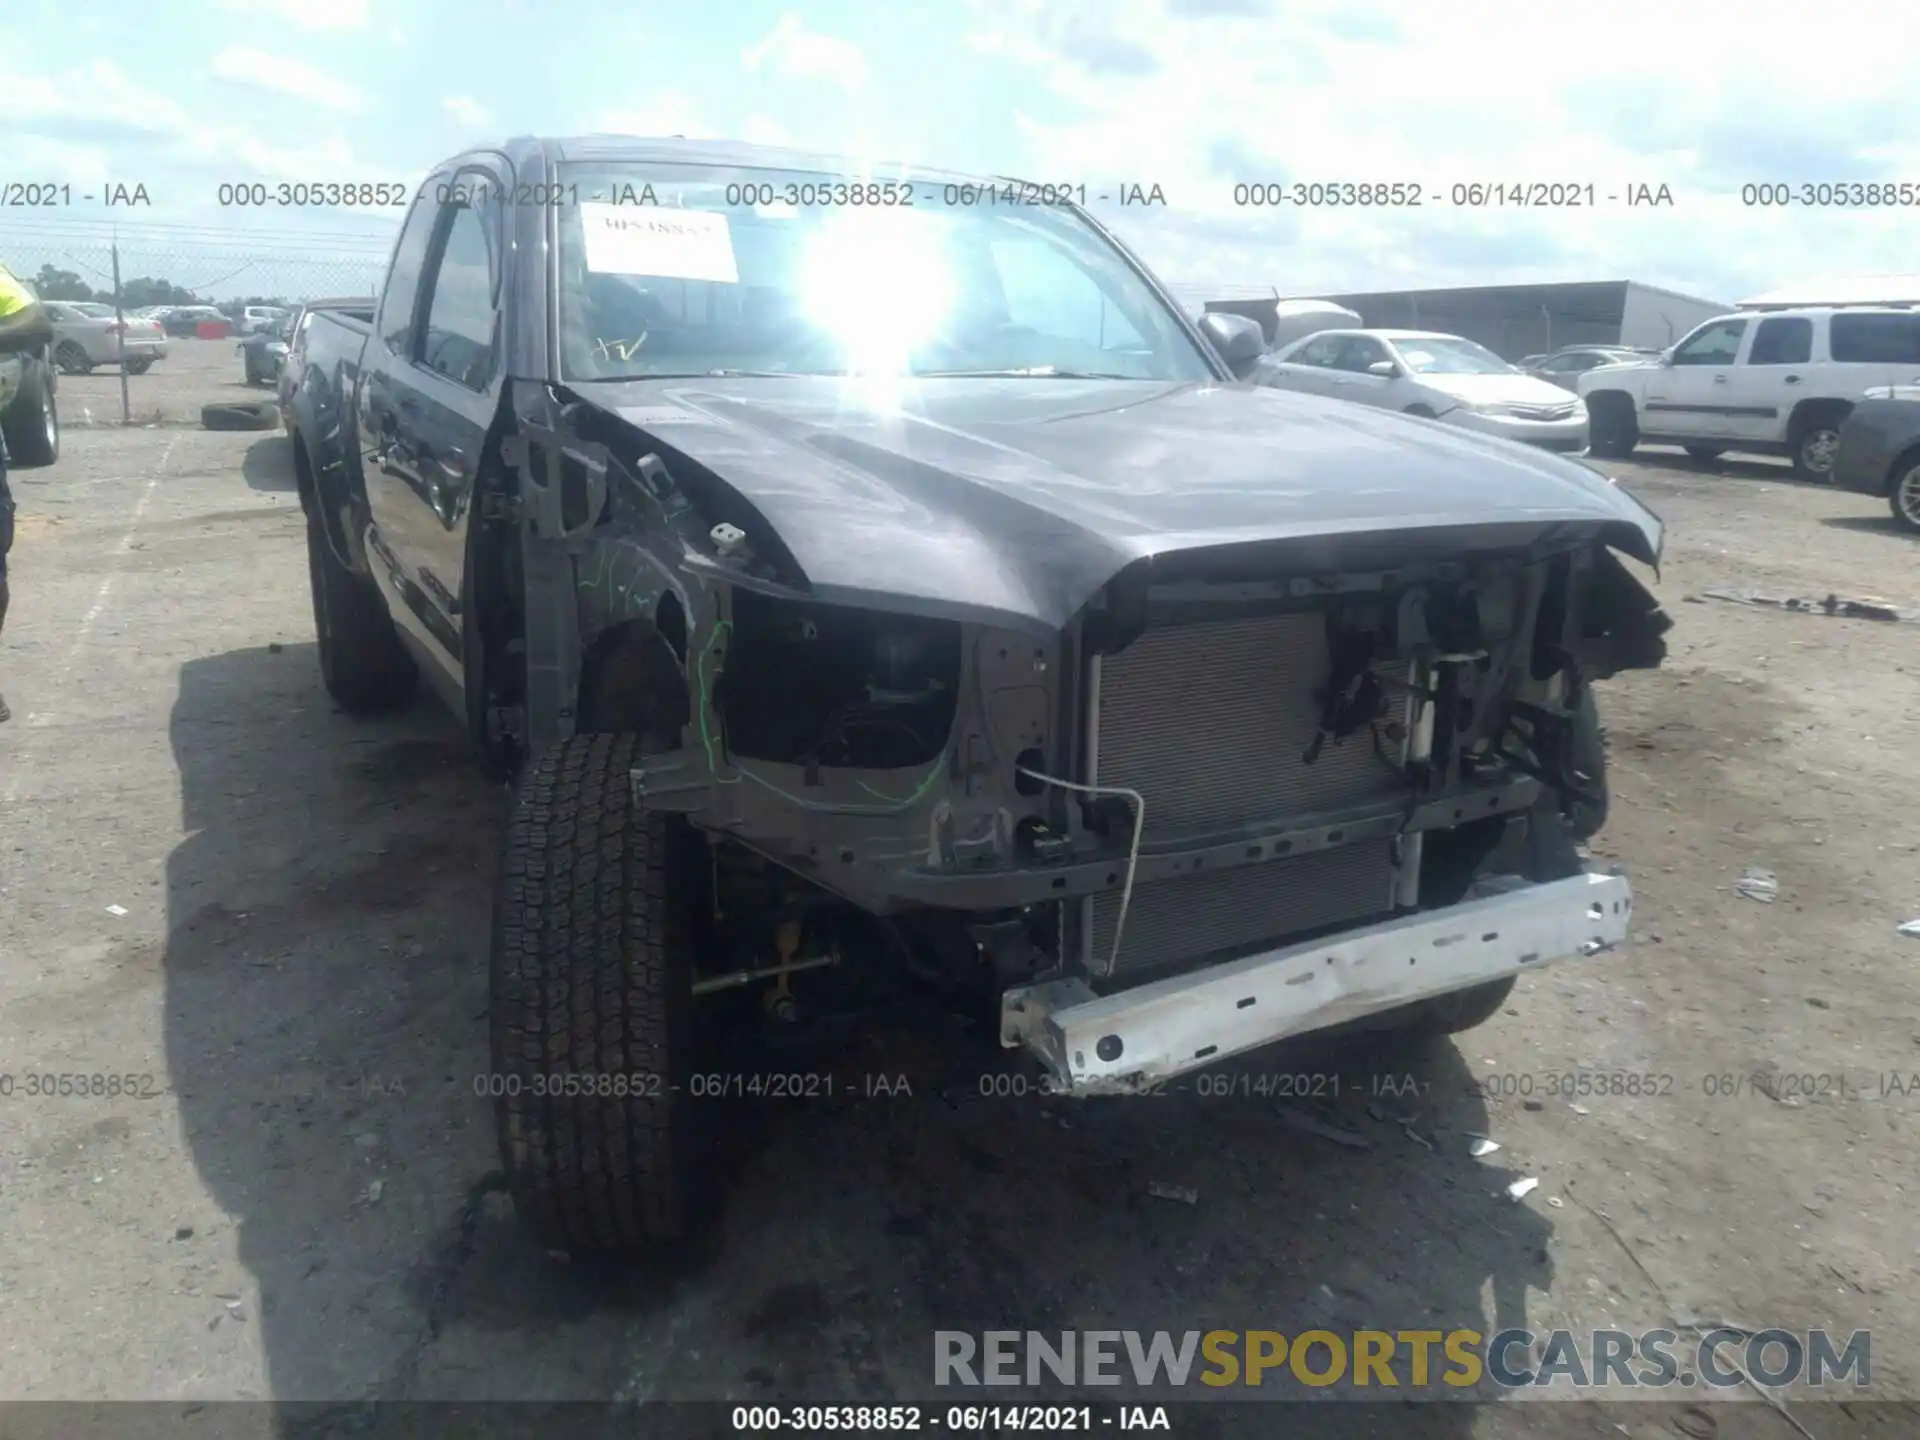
x=307, y=14
x=242, y=65
x=667, y=114
x=791, y=49
x=1197, y=94
x=466, y=110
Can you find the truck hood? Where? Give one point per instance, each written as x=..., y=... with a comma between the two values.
x=1015, y=500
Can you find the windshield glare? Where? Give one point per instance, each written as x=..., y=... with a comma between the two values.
x=1450, y=357
x=765, y=272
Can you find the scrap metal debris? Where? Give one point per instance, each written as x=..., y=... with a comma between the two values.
x=1828, y=605
x=1161, y=1190
x=1757, y=884
x=1338, y=1134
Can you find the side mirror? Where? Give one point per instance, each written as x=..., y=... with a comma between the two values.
x=1385, y=369
x=1240, y=341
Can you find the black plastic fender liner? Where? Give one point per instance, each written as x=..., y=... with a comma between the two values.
x=255, y=415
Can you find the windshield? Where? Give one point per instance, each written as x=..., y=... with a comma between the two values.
x=700, y=269
x=1449, y=355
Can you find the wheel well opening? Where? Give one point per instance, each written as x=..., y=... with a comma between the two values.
x=1809, y=413
x=632, y=680
x=836, y=686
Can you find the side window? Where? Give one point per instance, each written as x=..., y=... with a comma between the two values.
x=1321, y=352
x=394, y=325
x=1046, y=291
x=458, y=339
x=1875, y=339
x=1562, y=364
x=1717, y=344
x=1358, y=352
x=1782, y=340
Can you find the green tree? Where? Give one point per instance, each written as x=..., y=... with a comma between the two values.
x=53, y=283
x=148, y=291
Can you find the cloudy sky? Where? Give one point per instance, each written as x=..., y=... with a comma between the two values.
x=1195, y=96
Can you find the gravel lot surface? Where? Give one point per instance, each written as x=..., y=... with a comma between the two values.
x=272, y=917
x=194, y=373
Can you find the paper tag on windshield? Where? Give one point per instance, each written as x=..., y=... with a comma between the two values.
x=660, y=242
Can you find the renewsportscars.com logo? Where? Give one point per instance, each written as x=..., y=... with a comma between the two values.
x=1612, y=1360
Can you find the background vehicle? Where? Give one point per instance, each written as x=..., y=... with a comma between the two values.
x=255, y=319
x=86, y=334
x=1564, y=367
x=1879, y=451
x=1775, y=383
x=185, y=321
x=263, y=351
x=808, y=685
x=1441, y=377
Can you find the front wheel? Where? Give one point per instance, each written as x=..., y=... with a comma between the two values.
x=32, y=422
x=591, y=978
x=1904, y=498
x=1613, y=430
x=72, y=358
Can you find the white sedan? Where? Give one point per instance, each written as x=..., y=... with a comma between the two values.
x=1443, y=377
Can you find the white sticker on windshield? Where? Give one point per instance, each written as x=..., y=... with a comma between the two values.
x=658, y=241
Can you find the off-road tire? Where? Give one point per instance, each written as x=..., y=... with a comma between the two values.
x=591, y=973
x=32, y=422
x=362, y=662
x=1613, y=429
x=72, y=358
x=253, y=415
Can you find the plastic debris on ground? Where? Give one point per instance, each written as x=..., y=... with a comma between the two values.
x=116, y=910
x=1520, y=1189
x=1911, y=929
x=1479, y=1145
x=1757, y=884
x=1161, y=1190
x=1338, y=1134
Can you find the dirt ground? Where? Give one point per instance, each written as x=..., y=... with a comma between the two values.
x=272, y=918
x=194, y=373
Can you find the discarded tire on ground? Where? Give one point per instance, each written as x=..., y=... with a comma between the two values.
x=258, y=416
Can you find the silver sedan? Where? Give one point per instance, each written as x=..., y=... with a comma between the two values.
x=86, y=333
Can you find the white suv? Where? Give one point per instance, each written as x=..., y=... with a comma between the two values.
x=1766, y=382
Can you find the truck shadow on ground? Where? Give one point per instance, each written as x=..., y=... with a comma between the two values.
x=268, y=464
x=325, y=1013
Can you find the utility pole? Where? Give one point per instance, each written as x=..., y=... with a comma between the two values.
x=120, y=319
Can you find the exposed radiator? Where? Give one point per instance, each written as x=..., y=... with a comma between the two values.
x=1210, y=723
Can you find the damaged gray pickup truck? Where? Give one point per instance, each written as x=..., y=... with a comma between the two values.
x=881, y=570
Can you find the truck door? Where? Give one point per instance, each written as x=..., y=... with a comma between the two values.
x=1687, y=394
x=429, y=401
x=1771, y=375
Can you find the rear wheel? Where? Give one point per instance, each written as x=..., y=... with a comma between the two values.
x=591, y=978
x=72, y=358
x=1904, y=498
x=365, y=667
x=140, y=366
x=1815, y=446
x=32, y=422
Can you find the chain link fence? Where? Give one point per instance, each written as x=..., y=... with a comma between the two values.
x=134, y=268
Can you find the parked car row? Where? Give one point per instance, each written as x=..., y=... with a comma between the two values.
x=1439, y=377
x=87, y=333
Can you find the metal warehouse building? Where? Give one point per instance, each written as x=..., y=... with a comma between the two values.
x=1518, y=320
